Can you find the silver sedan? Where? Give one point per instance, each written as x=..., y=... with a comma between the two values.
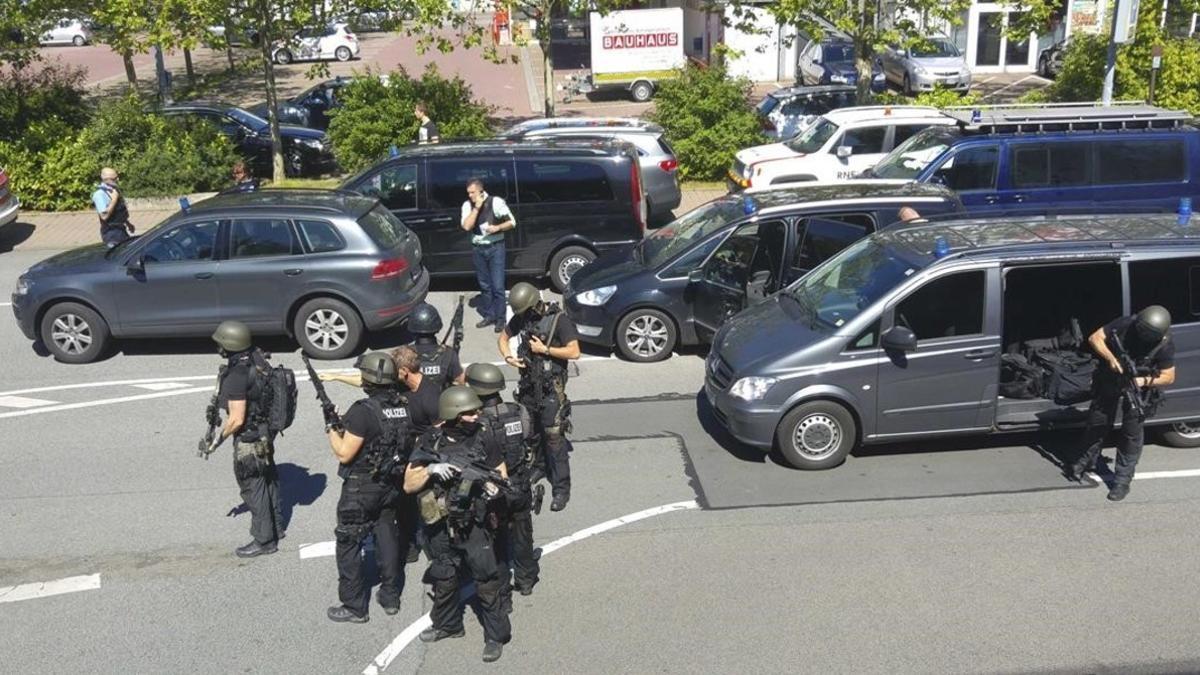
x=923, y=68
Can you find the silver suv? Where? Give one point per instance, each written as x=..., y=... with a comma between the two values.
x=660, y=169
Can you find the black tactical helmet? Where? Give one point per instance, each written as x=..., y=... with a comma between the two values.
x=457, y=400
x=523, y=296
x=485, y=379
x=1152, y=324
x=233, y=336
x=377, y=368
x=424, y=320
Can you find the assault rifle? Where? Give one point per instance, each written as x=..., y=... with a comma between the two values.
x=328, y=409
x=461, y=499
x=212, y=416
x=1128, y=379
x=456, y=326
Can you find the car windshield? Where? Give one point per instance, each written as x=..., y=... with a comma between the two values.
x=256, y=123
x=848, y=283
x=911, y=157
x=837, y=53
x=691, y=228
x=814, y=138
x=936, y=49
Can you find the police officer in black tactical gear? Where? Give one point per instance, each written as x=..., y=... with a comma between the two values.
x=509, y=423
x=548, y=340
x=1142, y=341
x=241, y=394
x=371, y=448
x=438, y=362
x=461, y=519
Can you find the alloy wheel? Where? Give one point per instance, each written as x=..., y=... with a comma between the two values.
x=646, y=336
x=326, y=329
x=71, y=334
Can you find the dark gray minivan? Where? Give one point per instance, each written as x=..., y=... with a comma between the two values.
x=899, y=337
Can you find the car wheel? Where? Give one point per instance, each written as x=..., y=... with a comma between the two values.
x=566, y=263
x=1183, y=434
x=1043, y=69
x=283, y=57
x=74, y=333
x=79, y=41
x=641, y=91
x=646, y=336
x=327, y=328
x=342, y=54
x=908, y=90
x=816, y=435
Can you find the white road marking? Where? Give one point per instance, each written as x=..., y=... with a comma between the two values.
x=5, y=304
x=44, y=589
x=317, y=550
x=162, y=386
x=1182, y=473
x=105, y=401
x=22, y=402
x=410, y=633
x=109, y=383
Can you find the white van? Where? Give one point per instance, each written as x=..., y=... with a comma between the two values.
x=840, y=145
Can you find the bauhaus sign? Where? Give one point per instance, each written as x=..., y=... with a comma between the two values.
x=641, y=40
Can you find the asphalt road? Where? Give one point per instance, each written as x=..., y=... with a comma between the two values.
x=680, y=552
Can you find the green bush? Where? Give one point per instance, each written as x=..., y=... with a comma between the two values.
x=938, y=98
x=377, y=112
x=38, y=105
x=707, y=117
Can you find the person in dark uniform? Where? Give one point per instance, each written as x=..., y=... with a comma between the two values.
x=509, y=423
x=243, y=180
x=438, y=362
x=240, y=395
x=460, y=519
x=112, y=209
x=1145, y=340
x=371, y=449
x=547, y=341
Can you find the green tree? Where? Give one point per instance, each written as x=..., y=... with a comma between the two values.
x=869, y=25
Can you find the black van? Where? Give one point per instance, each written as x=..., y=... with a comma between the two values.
x=679, y=285
x=572, y=200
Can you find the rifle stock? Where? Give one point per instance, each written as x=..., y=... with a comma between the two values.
x=456, y=325
x=328, y=409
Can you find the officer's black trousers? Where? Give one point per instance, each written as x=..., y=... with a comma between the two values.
x=258, y=483
x=552, y=424
x=368, y=507
x=453, y=564
x=1101, y=415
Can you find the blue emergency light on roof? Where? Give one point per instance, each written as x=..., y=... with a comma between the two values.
x=748, y=206
x=393, y=151
x=1185, y=210
x=976, y=116
x=185, y=204
x=940, y=247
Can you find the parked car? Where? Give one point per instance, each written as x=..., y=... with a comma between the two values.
x=310, y=108
x=367, y=19
x=244, y=35
x=323, y=43
x=9, y=204
x=67, y=32
x=840, y=145
x=899, y=337
x=786, y=112
x=660, y=175
x=321, y=266
x=306, y=152
x=678, y=285
x=571, y=200
x=1051, y=59
x=926, y=67
x=1065, y=155
x=831, y=60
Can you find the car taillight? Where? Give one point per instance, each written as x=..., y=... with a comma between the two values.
x=639, y=205
x=669, y=165
x=387, y=269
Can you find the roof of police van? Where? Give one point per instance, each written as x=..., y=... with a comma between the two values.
x=770, y=199
x=979, y=237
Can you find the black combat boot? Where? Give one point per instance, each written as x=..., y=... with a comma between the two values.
x=492, y=651
x=1118, y=492
x=390, y=607
x=255, y=549
x=560, y=502
x=342, y=614
x=433, y=634
x=1077, y=470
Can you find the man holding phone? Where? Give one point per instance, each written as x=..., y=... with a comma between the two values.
x=487, y=218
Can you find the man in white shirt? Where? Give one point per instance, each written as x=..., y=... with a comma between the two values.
x=487, y=218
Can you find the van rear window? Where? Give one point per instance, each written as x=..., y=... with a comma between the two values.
x=550, y=181
x=1140, y=161
x=383, y=228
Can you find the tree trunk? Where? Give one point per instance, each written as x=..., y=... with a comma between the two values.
x=191, y=72
x=229, y=57
x=130, y=73
x=863, y=94
x=266, y=33
x=547, y=64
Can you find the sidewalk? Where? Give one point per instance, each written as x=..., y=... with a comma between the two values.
x=39, y=231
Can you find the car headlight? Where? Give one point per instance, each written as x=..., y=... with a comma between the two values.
x=752, y=388
x=22, y=287
x=919, y=69
x=596, y=296
x=314, y=143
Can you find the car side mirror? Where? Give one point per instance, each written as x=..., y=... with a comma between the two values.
x=899, y=338
x=844, y=151
x=135, y=265
x=695, y=276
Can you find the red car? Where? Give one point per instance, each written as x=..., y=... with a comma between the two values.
x=8, y=201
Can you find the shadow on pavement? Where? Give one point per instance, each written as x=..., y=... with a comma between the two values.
x=14, y=235
x=297, y=487
x=708, y=421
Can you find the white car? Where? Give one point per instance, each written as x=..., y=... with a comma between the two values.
x=839, y=146
x=334, y=41
x=67, y=32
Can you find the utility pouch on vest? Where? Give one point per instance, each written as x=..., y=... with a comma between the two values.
x=432, y=508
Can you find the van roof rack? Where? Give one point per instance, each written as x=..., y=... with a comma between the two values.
x=1065, y=117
